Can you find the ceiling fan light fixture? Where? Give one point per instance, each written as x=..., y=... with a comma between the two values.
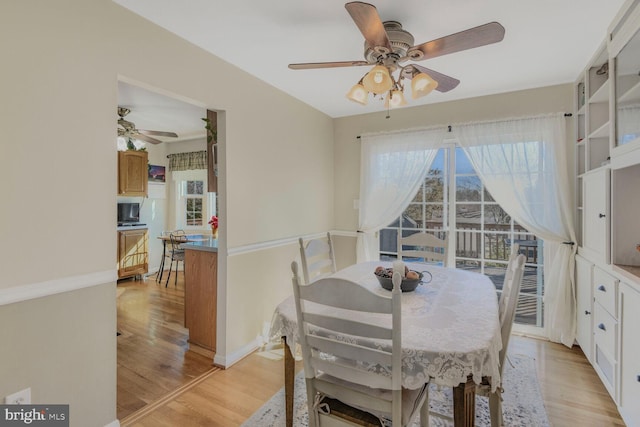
x=378, y=80
x=422, y=84
x=395, y=99
x=358, y=94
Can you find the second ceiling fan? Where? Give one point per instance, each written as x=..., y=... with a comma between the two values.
x=388, y=46
x=128, y=129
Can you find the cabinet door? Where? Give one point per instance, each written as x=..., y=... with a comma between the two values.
x=630, y=351
x=132, y=253
x=585, y=306
x=133, y=173
x=595, y=233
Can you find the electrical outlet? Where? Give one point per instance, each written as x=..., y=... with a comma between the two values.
x=22, y=397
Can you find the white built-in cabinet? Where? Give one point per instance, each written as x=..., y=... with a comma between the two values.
x=596, y=226
x=629, y=402
x=607, y=214
x=584, y=291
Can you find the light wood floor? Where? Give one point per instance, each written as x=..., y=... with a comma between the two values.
x=572, y=392
x=153, y=360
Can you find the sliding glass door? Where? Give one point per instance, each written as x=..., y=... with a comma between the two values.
x=452, y=203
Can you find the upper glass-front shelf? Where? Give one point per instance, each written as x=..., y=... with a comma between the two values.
x=628, y=92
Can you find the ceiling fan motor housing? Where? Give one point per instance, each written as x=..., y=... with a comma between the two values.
x=400, y=40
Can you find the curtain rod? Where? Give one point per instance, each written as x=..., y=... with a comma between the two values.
x=449, y=126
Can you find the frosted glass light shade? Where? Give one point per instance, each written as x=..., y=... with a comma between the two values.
x=395, y=99
x=358, y=94
x=378, y=80
x=422, y=84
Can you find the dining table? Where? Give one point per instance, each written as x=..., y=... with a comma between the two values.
x=450, y=332
x=181, y=238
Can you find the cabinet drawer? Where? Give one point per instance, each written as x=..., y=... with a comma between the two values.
x=605, y=291
x=605, y=330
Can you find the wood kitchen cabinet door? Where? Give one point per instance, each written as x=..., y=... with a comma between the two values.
x=133, y=253
x=133, y=173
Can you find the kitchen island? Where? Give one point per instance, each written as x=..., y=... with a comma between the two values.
x=200, y=294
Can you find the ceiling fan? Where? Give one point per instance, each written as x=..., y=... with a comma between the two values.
x=128, y=129
x=388, y=46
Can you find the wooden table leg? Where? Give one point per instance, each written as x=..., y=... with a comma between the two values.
x=289, y=375
x=464, y=404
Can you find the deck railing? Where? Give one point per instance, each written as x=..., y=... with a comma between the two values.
x=469, y=241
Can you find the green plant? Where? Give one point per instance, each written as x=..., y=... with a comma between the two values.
x=212, y=134
x=131, y=146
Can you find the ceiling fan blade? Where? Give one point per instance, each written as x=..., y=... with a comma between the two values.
x=369, y=23
x=157, y=133
x=445, y=83
x=311, y=65
x=482, y=35
x=146, y=138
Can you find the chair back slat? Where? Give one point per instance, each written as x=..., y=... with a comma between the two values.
x=346, y=326
x=350, y=351
x=351, y=373
x=424, y=246
x=317, y=257
x=345, y=294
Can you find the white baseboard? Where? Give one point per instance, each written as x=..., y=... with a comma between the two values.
x=114, y=423
x=236, y=356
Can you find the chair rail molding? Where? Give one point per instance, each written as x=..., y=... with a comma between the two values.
x=239, y=250
x=56, y=286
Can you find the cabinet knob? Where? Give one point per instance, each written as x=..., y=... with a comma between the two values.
x=601, y=215
x=602, y=288
x=601, y=326
x=587, y=312
x=638, y=378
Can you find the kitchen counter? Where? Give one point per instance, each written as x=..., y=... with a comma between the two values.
x=132, y=227
x=200, y=293
x=207, y=244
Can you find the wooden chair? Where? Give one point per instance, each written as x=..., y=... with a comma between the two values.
x=504, y=295
x=175, y=254
x=426, y=247
x=340, y=390
x=318, y=258
x=512, y=284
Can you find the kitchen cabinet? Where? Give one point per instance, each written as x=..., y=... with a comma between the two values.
x=133, y=252
x=133, y=173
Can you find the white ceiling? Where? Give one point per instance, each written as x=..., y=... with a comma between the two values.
x=546, y=42
x=154, y=111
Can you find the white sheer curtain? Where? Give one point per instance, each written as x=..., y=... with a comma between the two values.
x=392, y=167
x=522, y=163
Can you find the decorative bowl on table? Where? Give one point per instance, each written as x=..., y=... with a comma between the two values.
x=409, y=283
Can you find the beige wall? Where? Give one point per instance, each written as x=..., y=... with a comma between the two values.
x=61, y=64
x=514, y=104
x=62, y=347
x=286, y=172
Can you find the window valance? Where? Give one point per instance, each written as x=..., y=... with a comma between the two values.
x=188, y=161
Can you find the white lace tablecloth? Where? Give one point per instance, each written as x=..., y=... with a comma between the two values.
x=450, y=326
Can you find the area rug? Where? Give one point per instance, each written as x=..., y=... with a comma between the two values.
x=522, y=405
